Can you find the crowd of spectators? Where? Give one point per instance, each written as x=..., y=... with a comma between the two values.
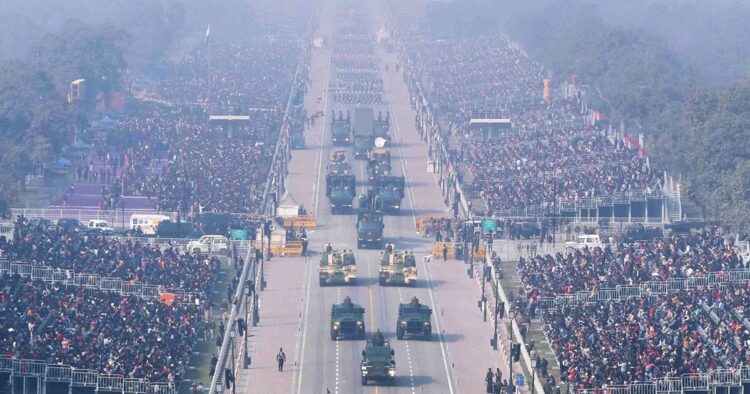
x=92, y=329
x=557, y=149
x=38, y=243
x=660, y=259
x=553, y=150
x=167, y=149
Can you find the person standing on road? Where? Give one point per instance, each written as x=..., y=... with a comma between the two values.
x=281, y=359
x=445, y=252
x=488, y=379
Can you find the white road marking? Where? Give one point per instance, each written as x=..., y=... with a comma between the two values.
x=409, y=194
x=315, y=205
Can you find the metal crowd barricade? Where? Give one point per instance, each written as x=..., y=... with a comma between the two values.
x=669, y=386
x=132, y=288
x=28, y=368
x=58, y=373
x=111, y=284
x=136, y=386
x=42, y=273
x=87, y=280
x=695, y=382
x=6, y=364
x=110, y=382
x=626, y=292
x=84, y=378
x=642, y=388
x=162, y=388
x=150, y=291
x=724, y=378
x=20, y=269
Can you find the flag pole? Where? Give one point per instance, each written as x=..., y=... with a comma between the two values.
x=208, y=84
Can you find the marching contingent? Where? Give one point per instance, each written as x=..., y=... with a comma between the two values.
x=209, y=135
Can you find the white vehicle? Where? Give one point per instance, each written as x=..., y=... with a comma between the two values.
x=588, y=240
x=209, y=243
x=100, y=225
x=147, y=222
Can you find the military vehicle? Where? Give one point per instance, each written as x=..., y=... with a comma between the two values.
x=378, y=361
x=414, y=320
x=362, y=144
x=363, y=132
x=389, y=192
x=337, y=267
x=347, y=321
x=397, y=268
x=369, y=230
x=341, y=185
x=378, y=159
x=381, y=126
x=341, y=129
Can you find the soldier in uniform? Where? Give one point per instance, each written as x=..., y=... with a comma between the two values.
x=377, y=338
x=488, y=379
x=329, y=248
x=347, y=301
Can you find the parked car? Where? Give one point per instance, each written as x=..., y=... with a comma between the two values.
x=209, y=243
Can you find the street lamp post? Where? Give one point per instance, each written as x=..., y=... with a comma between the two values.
x=232, y=334
x=497, y=309
x=248, y=293
x=534, y=364
x=484, y=298
x=511, y=317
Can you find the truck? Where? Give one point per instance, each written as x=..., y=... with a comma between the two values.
x=414, y=320
x=369, y=230
x=397, y=268
x=337, y=267
x=378, y=361
x=347, y=320
x=381, y=126
x=389, y=192
x=341, y=185
x=363, y=129
x=341, y=129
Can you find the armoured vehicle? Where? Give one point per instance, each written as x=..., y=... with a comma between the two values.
x=414, y=320
x=341, y=129
x=369, y=230
x=347, y=321
x=378, y=361
x=337, y=267
x=340, y=183
x=389, y=192
x=397, y=268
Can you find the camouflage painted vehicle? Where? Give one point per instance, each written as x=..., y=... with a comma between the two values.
x=397, y=268
x=337, y=267
x=414, y=320
x=378, y=361
x=347, y=321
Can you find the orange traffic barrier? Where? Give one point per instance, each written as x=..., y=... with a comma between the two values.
x=437, y=249
x=293, y=248
x=307, y=222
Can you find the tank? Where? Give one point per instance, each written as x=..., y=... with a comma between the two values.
x=397, y=268
x=337, y=268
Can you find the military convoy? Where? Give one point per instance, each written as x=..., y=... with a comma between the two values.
x=414, y=320
x=337, y=267
x=347, y=321
x=397, y=268
x=341, y=185
x=378, y=361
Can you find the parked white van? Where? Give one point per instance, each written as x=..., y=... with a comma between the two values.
x=147, y=222
x=588, y=240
